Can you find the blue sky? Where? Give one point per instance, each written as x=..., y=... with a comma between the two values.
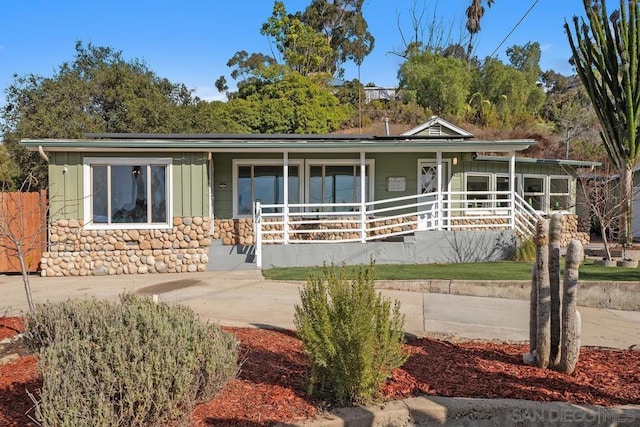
x=191, y=41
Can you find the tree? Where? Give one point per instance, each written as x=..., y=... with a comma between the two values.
x=342, y=23
x=8, y=170
x=514, y=98
x=600, y=194
x=606, y=56
x=441, y=84
x=302, y=48
x=98, y=91
x=526, y=59
x=474, y=13
x=288, y=102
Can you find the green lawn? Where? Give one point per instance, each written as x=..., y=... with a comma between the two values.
x=506, y=270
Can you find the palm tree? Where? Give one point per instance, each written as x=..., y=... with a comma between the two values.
x=606, y=56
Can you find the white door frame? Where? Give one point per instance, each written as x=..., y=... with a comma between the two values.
x=430, y=217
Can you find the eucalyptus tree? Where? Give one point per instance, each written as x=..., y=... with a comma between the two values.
x=342, y=23
x=99, y=91
x=303, y=49
x=606, y=56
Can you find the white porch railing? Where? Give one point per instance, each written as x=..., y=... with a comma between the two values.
x=382, y=219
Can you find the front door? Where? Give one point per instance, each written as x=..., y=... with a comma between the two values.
x=428, y=193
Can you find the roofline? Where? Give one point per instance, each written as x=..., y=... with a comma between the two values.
x=559, y=162
x=289, y=144
x=224, y=136
x=442, y=122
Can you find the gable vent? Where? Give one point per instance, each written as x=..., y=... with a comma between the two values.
x=435, y=130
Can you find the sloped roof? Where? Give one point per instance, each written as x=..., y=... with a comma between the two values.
x=437, y=126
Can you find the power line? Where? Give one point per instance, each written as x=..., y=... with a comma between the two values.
x=514, y=27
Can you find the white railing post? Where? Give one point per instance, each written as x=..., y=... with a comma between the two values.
x=285, y=208
x=439, y=197
x=512, y=189
x=363, y=198
x=257, y=232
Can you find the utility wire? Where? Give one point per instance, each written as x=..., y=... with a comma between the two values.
x=514, y=27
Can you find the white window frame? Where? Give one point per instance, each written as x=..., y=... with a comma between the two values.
x=569, y=193
x=126, y=161
x=237, y=163
x=369, y=163
x=490, y=201
x=544, y=193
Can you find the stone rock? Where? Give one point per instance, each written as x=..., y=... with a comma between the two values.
x=161, y=267
x=100, y=270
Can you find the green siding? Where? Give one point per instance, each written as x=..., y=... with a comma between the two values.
x=65, y=186
x=190, y=185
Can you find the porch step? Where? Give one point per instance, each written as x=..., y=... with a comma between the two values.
x=231, y=257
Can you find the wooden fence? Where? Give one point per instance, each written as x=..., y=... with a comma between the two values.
x=23, y=221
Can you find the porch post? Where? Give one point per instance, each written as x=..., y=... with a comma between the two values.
x=257, y=231
x=512, y=189
x=285, y=209
x=363, y=198
x=439, y=199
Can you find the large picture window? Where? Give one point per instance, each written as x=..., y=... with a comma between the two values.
x=263, y=182
x=127, y=193
x=337, y=181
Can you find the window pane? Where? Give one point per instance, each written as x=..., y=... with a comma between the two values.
x=315, y=184
x=533, y=185
x=294, y=185
x=560, y=202
x=535, y=202
x=158, y=194
x=339, y=184
x=99, y=194
x=266, y=185
x=128, y=194
x=478, y=183
x=502, y=183
x=245, y=199
x=559, y=185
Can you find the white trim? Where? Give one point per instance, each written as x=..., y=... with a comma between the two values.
x=446, y=161
x=259, y=162
x=120, y=161
x=369, y=163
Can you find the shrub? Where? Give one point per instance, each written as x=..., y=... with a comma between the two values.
x=526, y=251
x=353, y=336
x=126, y=363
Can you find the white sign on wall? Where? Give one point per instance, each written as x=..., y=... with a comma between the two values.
x=396, y=183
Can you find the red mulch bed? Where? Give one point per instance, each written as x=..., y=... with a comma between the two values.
x=270, y=387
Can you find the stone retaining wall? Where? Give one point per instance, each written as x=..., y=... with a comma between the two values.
x=240, y=231
x=76, y=251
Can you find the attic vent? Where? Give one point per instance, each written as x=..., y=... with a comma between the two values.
x=435, y=130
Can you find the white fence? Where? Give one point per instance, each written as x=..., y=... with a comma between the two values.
x=384, y=219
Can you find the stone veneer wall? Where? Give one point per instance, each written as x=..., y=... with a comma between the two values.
x=240, y=231
x=76, y=251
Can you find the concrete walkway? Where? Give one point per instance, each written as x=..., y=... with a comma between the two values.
x=245, y=298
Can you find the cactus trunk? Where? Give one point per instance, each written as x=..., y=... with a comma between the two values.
x=571, y=321
x=543, y=326
x=555, y=230
x=533, y=311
